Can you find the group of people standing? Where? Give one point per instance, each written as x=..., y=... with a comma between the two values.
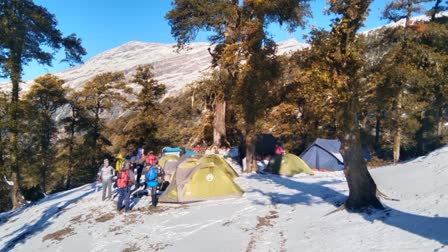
x=126, y=180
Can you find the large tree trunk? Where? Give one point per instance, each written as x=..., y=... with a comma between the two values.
x=397, y=132
x=251, y=165
x=362, y=188
x=219, y=122
x=15, y=195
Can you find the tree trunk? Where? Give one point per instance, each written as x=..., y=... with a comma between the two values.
x=68, y=177
x=362, y=188
x=15, y=195
x=96, y=136
x=440, y=127
x=2, y=163
x=397, y=144
x=440, y=123
x=397, y=132
x=219, y=122
x=251, y=165
x=377, y=131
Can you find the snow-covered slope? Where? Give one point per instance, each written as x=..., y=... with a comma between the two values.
x=275, y=214
x=402, y=22
x=170, y=67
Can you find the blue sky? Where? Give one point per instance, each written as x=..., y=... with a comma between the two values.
x=104, y=24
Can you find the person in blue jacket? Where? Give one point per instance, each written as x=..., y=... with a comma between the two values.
x=152, y=181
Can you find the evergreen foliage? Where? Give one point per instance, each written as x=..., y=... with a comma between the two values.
x=140, y=129
x=45, y=97
x=99, y=97
x=239, y=34
x=25, y=28
x=387, y=92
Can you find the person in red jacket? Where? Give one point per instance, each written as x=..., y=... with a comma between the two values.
x=125, y=180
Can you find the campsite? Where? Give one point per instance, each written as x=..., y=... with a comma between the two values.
x=223, y=125
x=275, y=213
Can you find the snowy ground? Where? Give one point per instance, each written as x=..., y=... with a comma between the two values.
x=275, y=214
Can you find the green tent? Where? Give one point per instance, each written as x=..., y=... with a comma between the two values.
x=188, y=163
x=202, y=182
x=197, y=155
x=166, y=158
x=171, y=167
x=288, y=165
x=221, y=163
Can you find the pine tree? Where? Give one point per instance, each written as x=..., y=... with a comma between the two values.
x=141, y=127
x=75, y=124
x=222, y=18
x=46, y=96
x=431, y=60
x=5, y=200
x=25, y=28
x=99, y=96
x=239, y=34
x=397, y=61
x=336, y=62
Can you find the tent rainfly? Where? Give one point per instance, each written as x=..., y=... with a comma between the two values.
x=288, y=165
x=202, y=182
x=324, y=154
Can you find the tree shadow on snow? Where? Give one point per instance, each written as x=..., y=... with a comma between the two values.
x=5, y=217
x=434, y=228
x=41, y=224
x=307, y=193
x=430, y=227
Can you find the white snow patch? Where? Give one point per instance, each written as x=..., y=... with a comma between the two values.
x=275, y=214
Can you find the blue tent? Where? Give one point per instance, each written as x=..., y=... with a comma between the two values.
x=171, y=150
x=190, y=152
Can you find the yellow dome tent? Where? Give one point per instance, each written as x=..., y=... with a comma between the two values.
x=204, y=181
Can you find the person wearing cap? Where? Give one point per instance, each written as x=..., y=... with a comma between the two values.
x=105, y=175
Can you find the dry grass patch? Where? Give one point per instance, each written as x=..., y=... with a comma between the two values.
x=251, y=244
x=76, y=219
x=130, y=219
x=153, y=210
x=265, y=221
x=105, y=217
x=158, y=246
x=59, y=235
x=132, y=247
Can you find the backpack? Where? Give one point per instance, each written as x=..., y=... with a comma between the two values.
x=151, y=174
x=123, y=178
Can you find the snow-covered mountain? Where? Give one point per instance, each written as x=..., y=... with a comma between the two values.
x=173, y=69
x=275, y=214
x=402, y=22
